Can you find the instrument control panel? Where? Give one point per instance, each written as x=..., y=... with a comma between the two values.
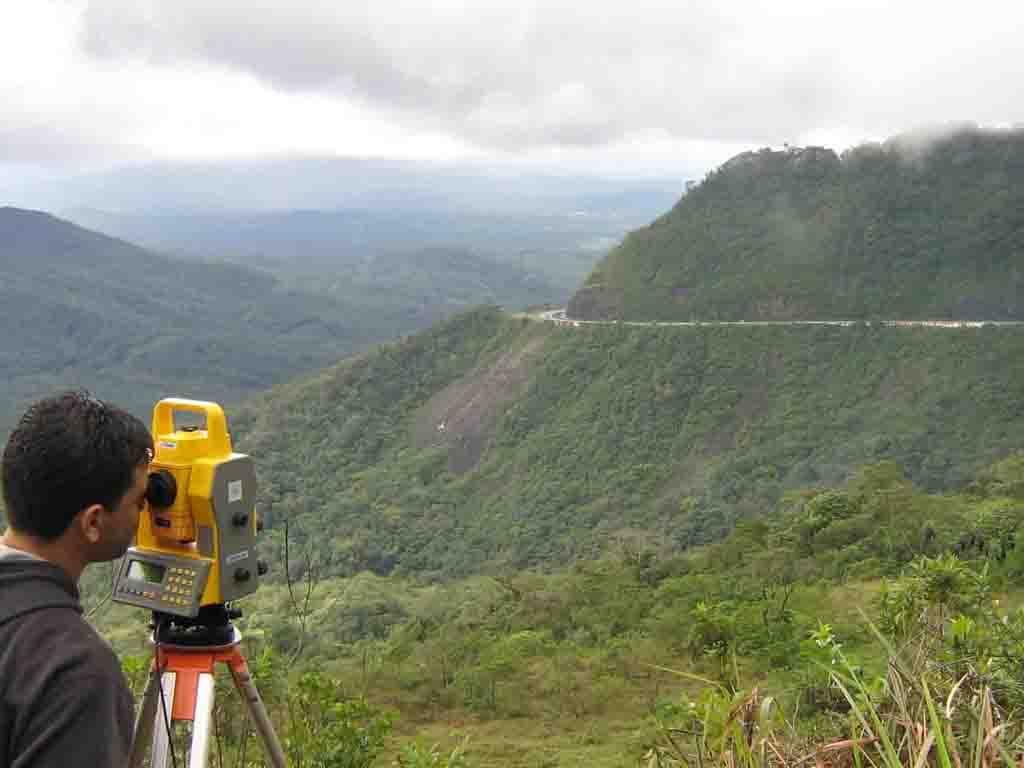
x=161, y=582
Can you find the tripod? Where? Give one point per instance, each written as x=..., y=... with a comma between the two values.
x=181, y=687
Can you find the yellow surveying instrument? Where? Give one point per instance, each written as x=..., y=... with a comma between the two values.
x=196, y=543
x=195, y=553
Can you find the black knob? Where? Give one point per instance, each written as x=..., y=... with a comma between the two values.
x=234, y=613
x=259, y=523
x=242, y=574
x=161, y=489
x=240, y=519
x=262, y=567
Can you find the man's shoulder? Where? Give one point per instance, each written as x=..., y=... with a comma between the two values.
x=63, y=685
x=61, y=641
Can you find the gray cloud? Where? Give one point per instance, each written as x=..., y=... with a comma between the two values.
x=52, y=142
x=513, y=76
x=587, y=82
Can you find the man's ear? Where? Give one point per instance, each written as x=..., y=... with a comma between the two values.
x=90, y=522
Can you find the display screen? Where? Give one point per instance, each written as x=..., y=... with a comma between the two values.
x=149, y=572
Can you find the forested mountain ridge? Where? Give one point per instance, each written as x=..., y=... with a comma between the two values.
x=908, y=229
x=493, y=443
x=83, y=309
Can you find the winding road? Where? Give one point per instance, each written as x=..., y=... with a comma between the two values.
x=559, y=317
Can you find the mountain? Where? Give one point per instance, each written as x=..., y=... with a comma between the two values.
x=84, y=309
x=557, y=248
x=492, y=443
x=343, y=183
x=917, y=227
x=327, y=237
x=319, y=215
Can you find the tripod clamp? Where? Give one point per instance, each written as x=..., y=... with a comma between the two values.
x=211, y=628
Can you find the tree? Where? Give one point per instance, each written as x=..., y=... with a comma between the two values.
x=713, y=634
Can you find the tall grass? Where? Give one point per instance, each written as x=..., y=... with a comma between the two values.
x=909, y=718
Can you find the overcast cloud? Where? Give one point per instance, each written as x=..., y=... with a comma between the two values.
x=642, y=81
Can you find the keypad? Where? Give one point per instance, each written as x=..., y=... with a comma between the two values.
x=179, y=586
x=176, y=593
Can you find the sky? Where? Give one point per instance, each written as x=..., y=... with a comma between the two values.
x=638, y=87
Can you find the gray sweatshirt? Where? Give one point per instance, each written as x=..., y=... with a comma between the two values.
x=64, y=700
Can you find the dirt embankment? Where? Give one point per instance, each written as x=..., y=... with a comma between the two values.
x=462, y=415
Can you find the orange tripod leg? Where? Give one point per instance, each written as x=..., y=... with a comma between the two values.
x=188, y=675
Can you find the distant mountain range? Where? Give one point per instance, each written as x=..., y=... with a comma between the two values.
x=492, y=443
x=322, y=219
x=905, y=229
x=559, y=247
x=338, y=183
x=83, y=309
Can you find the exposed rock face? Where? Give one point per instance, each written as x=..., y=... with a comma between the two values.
x=462, y=416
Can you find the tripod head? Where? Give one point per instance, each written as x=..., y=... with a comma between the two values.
x=210, y=628
x=196, y=541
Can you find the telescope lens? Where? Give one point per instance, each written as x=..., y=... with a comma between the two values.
x=161, y=489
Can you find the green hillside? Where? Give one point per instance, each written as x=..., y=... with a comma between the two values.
x=906, y=229
x=648, y=654
x=83, y=309
x=492, y=443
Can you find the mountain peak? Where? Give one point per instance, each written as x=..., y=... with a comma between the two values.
x=923, y=226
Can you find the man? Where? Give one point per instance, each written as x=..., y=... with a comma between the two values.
x=74, y=483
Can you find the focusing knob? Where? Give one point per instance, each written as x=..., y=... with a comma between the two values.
x=242, y=574
x=240, y=519
x=161, y=489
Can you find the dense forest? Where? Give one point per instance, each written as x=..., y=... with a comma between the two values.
x=493, y=442
x=905, y=229
x=823, y=627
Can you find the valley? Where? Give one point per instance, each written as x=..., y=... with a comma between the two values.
x=761, y=470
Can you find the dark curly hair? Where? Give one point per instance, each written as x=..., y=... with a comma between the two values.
x=68, y=452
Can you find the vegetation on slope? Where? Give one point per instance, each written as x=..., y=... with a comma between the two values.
x=646, y=653
x=85, y=310
x=490, y=444
x=906, y=229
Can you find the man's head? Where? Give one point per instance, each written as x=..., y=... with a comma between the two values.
x=75, y=469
